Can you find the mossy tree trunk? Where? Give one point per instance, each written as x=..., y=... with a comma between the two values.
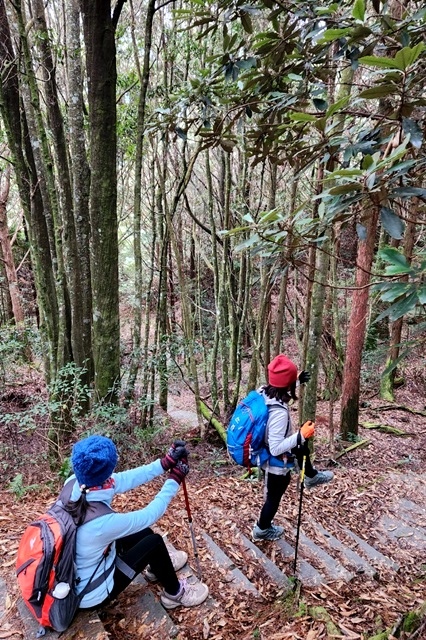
x=6, y=252
x=144, y=75
x=99, y=36
x=81, y=308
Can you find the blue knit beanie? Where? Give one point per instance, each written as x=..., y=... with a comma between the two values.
x=93, y=460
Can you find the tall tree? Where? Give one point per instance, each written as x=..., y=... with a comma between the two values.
x=99, y=37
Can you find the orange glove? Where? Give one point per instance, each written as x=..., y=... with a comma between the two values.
x=308, y=429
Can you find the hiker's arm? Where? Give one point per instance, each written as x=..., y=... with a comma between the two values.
x=127, y=480
x=118, y=525
x=279, y=440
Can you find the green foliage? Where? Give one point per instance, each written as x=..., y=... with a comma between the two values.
x=18, y=488
x=69, y=395
x=14, y=344
x=405, y=296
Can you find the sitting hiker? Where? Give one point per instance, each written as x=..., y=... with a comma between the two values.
x=283, y=444
x=133, y=545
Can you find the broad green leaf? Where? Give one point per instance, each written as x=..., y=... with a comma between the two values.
x=404, y=306
x=392, y=255
x=394, y=270
x=358, y=12
x=345, y=172
x=407, y=56
x=345, y=188
x=375, y=61
x=298, y=116
x=246, y=22
x=247, y=63
x=248, y=217
x=320, y=104
x=411, y=127
x=379, y=92
x=336, y=106
x=367, y=162
x=409, y=192
x=395, y=290
x=399, y=309
x=324, y=11
x=334, y=34
x=401, y=166
x=270, y=215
x=394, y=363
x=253, y=240
x=421, y=292
x=392, y=223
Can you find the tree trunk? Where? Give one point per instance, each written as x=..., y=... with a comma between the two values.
x=14, y=118
x=99, y=34
x=6, y=247
x=137, y=198
x=357, y=324
x=81, y=292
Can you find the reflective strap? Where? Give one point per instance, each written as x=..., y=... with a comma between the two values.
x=124, y=568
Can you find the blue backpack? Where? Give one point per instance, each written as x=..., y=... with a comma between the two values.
x=245, y=436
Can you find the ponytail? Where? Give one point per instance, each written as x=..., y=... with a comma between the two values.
x=78, y=508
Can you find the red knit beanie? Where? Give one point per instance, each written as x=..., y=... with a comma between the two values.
x=282, y=372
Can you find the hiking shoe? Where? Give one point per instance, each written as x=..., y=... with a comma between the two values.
x=189, y=595
x=178, y=558
x=274, y=532
x=322, y=477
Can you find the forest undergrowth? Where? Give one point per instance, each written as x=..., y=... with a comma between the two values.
x=369, y=482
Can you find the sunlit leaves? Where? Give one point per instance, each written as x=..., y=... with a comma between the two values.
x=358, y=12
x=401, y=61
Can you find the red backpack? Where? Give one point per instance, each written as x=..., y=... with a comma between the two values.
x=45, y=566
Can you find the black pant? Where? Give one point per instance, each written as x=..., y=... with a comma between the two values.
x=276, y=486
x=138, y=550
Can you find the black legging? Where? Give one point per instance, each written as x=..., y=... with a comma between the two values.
x=138, y=550
x=276, y=486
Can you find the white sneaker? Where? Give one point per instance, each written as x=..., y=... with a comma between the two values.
x=189, y=595
x=178, y=558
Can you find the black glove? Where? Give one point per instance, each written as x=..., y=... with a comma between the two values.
x=176, y=452
x=304, y=376
x=180, y=471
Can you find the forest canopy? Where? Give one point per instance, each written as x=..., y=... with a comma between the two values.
x=241, y=178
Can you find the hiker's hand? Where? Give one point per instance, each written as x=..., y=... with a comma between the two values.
x=308, y=429
x=304, y=376
x=180, y=471
x=176, y=452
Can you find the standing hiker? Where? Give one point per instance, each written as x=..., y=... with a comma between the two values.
x=283, y=444
x=133, y=545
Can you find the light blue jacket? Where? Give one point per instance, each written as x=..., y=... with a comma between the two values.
x=94, y=536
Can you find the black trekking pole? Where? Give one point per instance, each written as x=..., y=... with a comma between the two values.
x=194, y=543
x=302, y=477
